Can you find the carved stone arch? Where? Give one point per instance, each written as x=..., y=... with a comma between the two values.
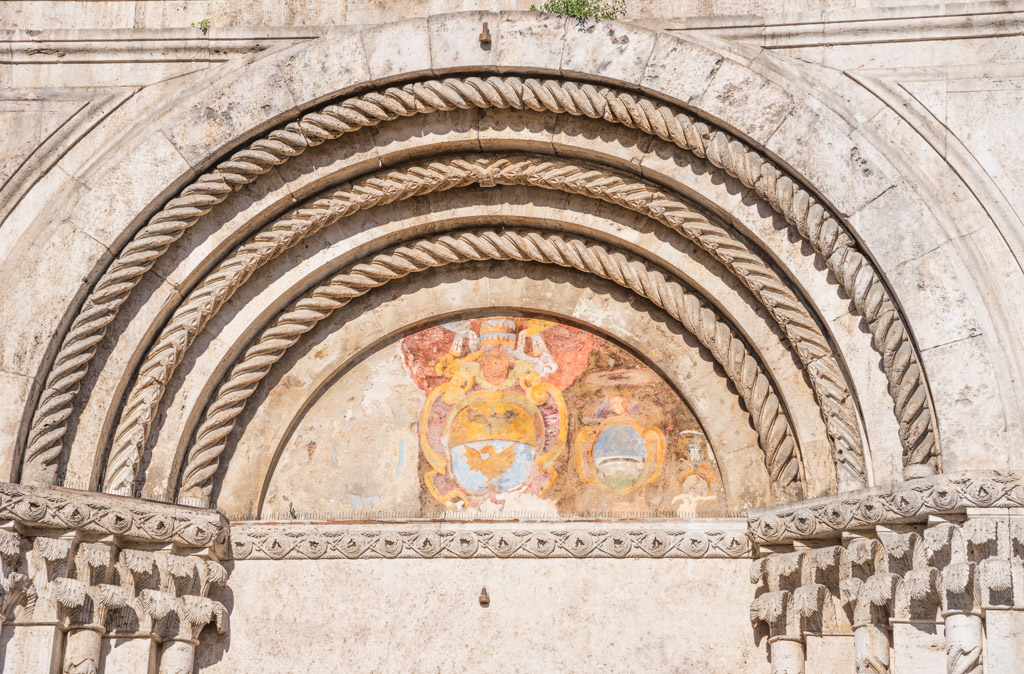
x=207, y=298
x=285, y=279
x=668, y=92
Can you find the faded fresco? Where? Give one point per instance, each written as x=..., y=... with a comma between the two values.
x=498, y=415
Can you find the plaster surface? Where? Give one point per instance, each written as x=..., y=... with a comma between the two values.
x=544, y=615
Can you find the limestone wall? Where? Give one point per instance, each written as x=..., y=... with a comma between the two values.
x=804, y=219
x=544, y=615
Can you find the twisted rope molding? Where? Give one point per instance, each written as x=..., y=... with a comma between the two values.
x=203, y=302
x=801, y=210
x=754, y=386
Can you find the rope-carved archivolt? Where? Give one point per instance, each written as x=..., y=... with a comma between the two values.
x=749, y=265
x=801, y=210
x=741, y=367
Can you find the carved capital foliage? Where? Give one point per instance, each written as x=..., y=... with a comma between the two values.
x=180, y=609
x=194, y=613
x=991, y=543
x=159, y=594
x=777, y=611
x=67, y=558
x=808, y=581
x=909, y=558
x=94, y=566
x=51, y=595
x=917, y=595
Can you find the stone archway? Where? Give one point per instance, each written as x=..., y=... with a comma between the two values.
x=905, y=380
x=650, y=189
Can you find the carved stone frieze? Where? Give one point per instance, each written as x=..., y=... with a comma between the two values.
x=910, y=501
x=465, y=541
x=102, y=514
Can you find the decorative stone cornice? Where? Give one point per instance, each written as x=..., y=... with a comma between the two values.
x=106, y=515
x=419, y=540
x=145, y=46
x=910, y=501
x=845, y=27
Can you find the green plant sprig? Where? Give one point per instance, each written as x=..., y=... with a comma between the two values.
x=583, y=10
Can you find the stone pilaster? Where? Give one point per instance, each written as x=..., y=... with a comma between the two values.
x=828, y=639
x=41, y=605
x=917, y=632
x=994, y=542
x=957, y=548
x=131, y=638
x=12, y=582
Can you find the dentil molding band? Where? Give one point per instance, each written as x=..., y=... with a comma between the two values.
x=42, y=508
x=578, y=540
x=801, y=210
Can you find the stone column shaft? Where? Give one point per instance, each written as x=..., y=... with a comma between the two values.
x=963, y=643
x=82, y=651
x=787, y=654
x=177, y=657
x=871, y=648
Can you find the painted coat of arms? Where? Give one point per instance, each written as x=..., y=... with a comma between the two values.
x=494, y=427
x=617, y=449
x=506, y=415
